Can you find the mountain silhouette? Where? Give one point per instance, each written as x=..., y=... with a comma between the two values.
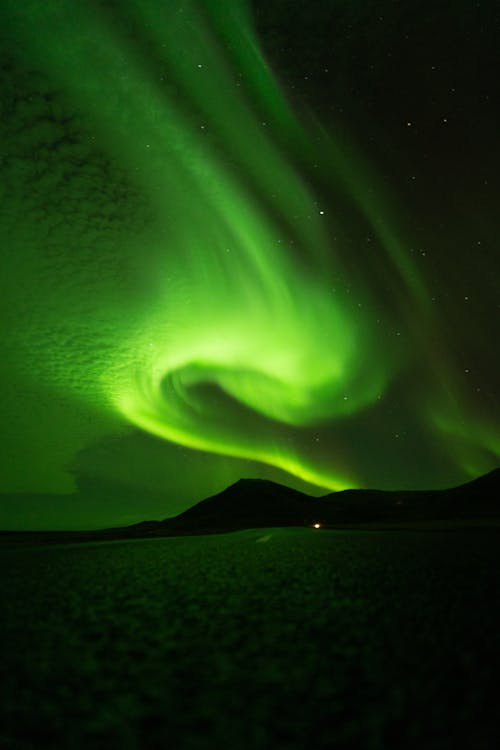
x=252, y=503
x=260, y=503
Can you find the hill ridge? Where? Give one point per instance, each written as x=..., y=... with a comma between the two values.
x=261, y=503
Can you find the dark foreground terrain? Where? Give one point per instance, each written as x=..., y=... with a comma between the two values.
x=269, y=638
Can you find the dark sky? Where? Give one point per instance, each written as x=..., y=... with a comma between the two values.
x=244, y=240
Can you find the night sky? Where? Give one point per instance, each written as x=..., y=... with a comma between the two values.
x=244, y=240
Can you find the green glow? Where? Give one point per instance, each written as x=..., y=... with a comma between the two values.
x=270, y=332
x=256, y=311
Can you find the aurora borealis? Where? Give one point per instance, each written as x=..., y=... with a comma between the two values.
x=244, y=240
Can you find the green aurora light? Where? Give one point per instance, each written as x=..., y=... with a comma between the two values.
x=244, y=313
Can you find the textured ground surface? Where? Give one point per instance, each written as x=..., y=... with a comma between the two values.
x=287, y=638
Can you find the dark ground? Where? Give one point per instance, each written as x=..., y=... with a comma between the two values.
x=277, y=638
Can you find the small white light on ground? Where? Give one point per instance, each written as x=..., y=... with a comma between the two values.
x=316, y=525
